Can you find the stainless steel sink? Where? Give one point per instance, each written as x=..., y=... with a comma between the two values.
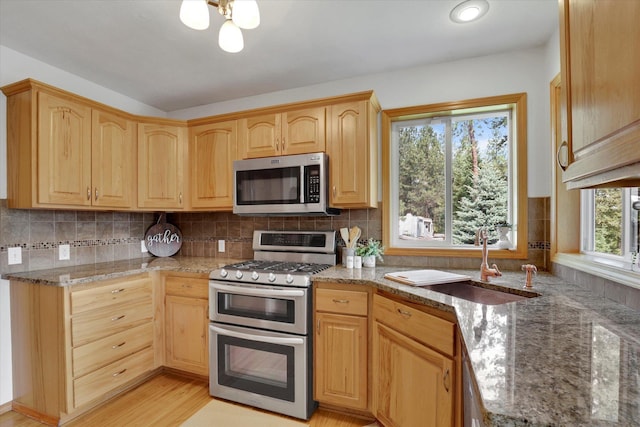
x=483, y=295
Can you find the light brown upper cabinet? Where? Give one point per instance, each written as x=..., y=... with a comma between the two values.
x=162, y=156
x=292, y=132
x=212, y=150
x=65, y=152
x=113, y=154
x=353, y=154
x=600, y=69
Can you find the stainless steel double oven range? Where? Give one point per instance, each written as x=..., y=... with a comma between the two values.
x=260, y=315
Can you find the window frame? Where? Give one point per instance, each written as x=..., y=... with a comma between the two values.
x=518, y=151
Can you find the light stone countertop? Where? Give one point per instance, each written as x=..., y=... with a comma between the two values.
x=565, y=358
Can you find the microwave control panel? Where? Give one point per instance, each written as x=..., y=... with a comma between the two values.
x=312, y=181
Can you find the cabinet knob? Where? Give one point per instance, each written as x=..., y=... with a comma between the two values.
x=564, y=148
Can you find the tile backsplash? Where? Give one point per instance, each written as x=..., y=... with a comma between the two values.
x=111, y=236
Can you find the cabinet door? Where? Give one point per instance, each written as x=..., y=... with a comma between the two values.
x=341, y=360
x=412, y=383
x=304, y=131
x=186, y=334
x=212, y=150
x=601, y=87
x=113, y=155
x=64, y=151
x=260, y=136
x=352, y=157
x=161, y=166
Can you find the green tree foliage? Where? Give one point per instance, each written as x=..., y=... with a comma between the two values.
x=608, y=221
x=484, y=206
x=421, y=185
x=479, y=171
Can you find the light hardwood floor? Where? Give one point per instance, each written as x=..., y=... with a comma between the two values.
x=165, y=400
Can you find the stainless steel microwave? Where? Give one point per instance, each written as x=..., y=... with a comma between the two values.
x=284, y=185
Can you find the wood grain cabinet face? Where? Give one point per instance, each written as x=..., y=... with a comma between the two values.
x=187, y=324
x=212, y=150
x=341, y=351
x=85, y=156
x=601, y=88
x=162, y=155
x=113, y=153
x=353, y=159
x=293, y=132
x=64, y=151
x=413, y=385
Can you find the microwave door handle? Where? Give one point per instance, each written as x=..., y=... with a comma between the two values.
x=303, y=184
x=267, y=339
x=259, y=292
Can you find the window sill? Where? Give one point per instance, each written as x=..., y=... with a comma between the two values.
x=600, y=267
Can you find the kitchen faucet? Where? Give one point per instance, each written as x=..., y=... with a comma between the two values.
x=485, y=271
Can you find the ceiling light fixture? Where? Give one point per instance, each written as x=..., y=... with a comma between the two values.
x=238, y=14
x=469, y=10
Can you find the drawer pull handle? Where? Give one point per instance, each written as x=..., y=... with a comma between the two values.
x=404, y=313
x=119, y=373
x=341, y=301
x=563, y=149
x=446, y=380
x=118, y=345
x=117, y=291
x=113, y=319
x=88, y=193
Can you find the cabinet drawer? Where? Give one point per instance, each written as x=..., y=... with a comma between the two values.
x=97, y=354
x=99, y=382
x=430, y=330
x=187, y=287
x=110, y=293
x=342, y=302
x=97, y=324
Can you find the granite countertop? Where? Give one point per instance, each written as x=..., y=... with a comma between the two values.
x=565, y=358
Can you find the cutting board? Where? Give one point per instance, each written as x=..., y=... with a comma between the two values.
x=425, y=277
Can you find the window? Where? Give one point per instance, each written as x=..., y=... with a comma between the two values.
x=610, y=218
x=452, y=169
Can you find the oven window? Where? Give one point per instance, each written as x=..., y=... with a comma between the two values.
x=257, y=367
x=268, y=186
x=272, y=309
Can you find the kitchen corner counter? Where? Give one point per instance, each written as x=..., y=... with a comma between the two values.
x=565, y=358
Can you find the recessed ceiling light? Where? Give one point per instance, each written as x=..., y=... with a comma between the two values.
x=469, y=10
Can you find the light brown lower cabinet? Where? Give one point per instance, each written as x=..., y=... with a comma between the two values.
x=413, y=384
x=74, y=347
x=341, y=346
x=186, y=324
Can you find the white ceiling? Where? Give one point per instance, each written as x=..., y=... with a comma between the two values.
x=141, y=49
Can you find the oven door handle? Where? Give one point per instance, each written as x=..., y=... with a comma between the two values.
x=258, y=292
x=271, y=340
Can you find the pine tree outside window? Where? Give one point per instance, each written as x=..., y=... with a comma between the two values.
x=611, y=225
x=452, y=169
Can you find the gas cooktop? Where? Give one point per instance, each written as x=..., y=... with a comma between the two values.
x=278, y=266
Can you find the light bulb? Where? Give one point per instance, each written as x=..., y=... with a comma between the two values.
x=195, y=14
x=245, y=14
x=469, y=13
x=230, y=37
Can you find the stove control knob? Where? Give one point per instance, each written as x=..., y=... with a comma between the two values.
x=289, y=279
x=238, y=274
x=272, y=277
x=223, y=273
x=255, y=275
